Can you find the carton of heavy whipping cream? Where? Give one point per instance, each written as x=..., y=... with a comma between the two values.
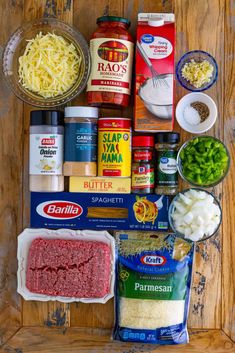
x=154, y=86
x=99, y=185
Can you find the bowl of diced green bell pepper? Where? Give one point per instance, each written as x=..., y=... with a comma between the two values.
x=203, y=161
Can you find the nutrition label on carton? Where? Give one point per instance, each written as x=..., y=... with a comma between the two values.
x=46, y=155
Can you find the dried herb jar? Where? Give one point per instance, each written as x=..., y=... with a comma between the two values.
x=166, y=174
x=142, y=177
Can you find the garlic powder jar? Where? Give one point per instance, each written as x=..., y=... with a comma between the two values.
x=46, y=150
x=80, y=157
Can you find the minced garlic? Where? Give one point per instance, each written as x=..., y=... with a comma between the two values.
x=197, y=73
x=49, y=65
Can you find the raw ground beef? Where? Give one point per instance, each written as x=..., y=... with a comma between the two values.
x=69, y=268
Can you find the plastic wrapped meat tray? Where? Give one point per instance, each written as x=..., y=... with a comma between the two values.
x=66, y=265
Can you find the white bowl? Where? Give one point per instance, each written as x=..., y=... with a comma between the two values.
x=186, y=101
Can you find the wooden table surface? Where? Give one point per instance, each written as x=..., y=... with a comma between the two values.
x=55, y=327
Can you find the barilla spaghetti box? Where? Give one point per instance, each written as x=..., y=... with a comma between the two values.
x=155, y=66
x=99, y=211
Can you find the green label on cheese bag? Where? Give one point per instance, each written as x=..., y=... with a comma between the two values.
x=171, y=286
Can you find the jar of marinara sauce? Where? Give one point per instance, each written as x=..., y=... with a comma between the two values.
x=111, y=48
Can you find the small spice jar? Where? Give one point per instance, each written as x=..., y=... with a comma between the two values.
x=111, y=48
x=46, y=151
x=142, y=178
x=80, y=141
x=166, y=175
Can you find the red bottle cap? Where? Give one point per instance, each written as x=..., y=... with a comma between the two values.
x=142, y=141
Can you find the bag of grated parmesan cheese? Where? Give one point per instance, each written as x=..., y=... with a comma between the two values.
x=153, y=288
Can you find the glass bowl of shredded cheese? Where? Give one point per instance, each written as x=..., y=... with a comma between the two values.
x=46, y=62
x=197, y=70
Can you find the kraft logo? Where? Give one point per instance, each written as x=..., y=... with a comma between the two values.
x=153, y=260
x=59, y=209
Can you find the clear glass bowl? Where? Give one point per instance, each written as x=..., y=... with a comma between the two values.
x=198, y=56
x=180, y=169
x=15, y=47
x=172, y=222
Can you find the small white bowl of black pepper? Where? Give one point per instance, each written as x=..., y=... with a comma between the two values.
x=196, y=112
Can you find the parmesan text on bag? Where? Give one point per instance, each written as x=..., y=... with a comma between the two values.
x=152, y=294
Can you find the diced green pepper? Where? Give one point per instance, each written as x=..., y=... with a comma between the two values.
x=204, y=160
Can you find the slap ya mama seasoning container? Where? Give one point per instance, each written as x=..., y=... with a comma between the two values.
x=114, y=147
x=80, y=141
x=111, y=48
x=46, y=150
x=142, y=177
x=166, y=176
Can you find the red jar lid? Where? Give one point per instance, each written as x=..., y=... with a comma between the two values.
x=142, y=141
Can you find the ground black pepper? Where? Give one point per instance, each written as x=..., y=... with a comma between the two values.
x=202, y=110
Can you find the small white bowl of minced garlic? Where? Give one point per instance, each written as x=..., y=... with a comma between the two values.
x=196, y=112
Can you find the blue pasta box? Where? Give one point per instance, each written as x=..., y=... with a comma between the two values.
x=99, y=211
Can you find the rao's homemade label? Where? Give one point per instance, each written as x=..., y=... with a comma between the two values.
x=114, y=147
x=166, y=173
x=111, y=65
x=46, y=156
x=81, y=142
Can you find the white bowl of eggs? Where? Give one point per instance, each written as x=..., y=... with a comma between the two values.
x=196, y=112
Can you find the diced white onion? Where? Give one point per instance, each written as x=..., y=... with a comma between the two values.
x=195, y=214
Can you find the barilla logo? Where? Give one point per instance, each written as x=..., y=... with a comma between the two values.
x=59, y=209
x=153, y=260
x=48, y=141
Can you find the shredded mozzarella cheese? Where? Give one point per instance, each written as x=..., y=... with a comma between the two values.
x=49, y=65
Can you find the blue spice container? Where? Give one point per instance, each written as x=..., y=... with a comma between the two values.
x=80, y=141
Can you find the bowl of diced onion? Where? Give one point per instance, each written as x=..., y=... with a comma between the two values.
x=195, y=214
x=46, y=62
x=197, y=70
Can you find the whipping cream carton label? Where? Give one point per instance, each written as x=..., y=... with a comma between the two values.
x=111, y=65
x=156, y=47
x=154, y=86
x=46, y=154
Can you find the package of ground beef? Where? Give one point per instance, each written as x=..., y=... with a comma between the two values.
x=66, y=265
